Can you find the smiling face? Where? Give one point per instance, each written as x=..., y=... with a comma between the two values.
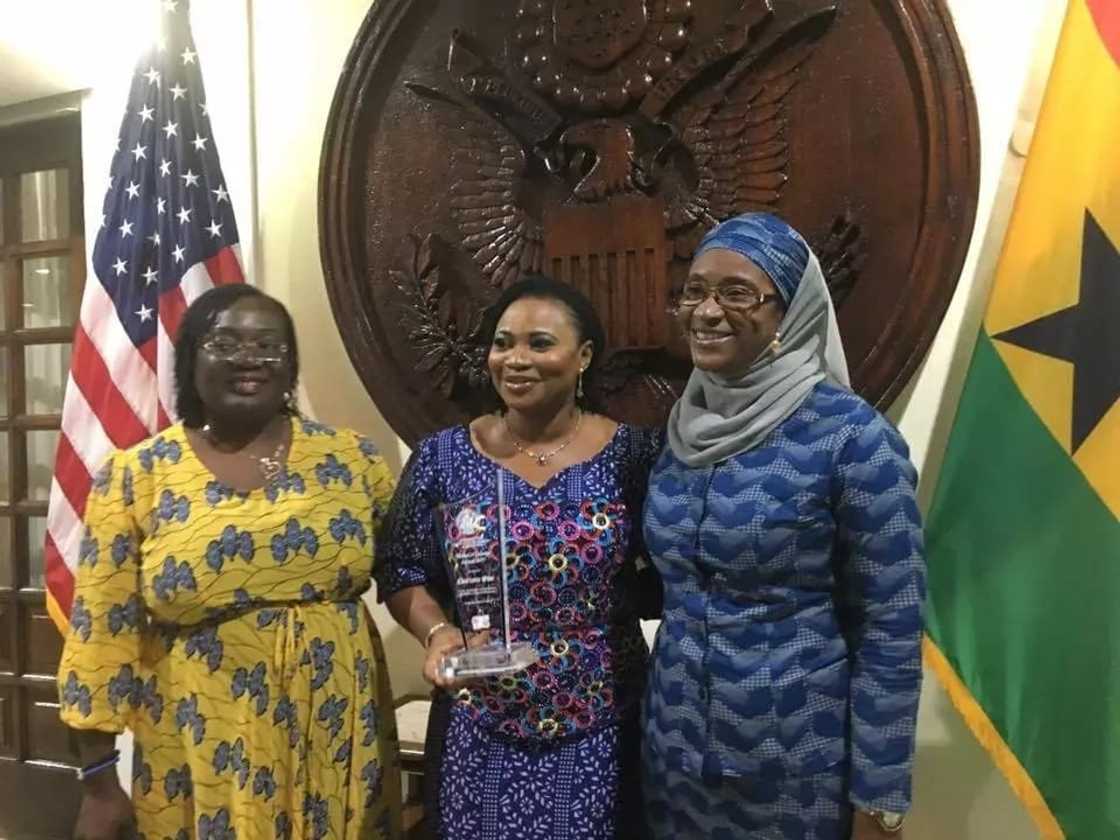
x=243, y=367
x=536, y=355
x=728, y=330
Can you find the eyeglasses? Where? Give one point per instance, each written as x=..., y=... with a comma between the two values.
x=736, y=298
x=263, y=351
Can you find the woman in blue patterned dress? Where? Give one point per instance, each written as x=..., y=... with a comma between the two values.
x=782, y=519
x=552, y=752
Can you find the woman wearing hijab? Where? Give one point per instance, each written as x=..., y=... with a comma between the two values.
x=782, y=518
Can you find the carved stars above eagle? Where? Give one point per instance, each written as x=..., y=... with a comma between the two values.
x=598, y=57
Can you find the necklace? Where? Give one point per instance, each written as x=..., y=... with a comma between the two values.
x=269, y=466
x=541, y=458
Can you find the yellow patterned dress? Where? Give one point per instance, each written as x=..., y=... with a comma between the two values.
x=225, y=629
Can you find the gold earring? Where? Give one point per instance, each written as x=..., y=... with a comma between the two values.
x=579, y=385
x=776, y=344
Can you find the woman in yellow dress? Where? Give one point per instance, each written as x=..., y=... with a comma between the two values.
x=217, y=613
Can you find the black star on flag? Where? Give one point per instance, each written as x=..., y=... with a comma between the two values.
x=1086, y=335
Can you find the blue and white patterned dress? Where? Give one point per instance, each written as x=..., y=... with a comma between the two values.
x=549, y=753
x=786, y=671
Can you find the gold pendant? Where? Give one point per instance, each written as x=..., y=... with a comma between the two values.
x=270, y=468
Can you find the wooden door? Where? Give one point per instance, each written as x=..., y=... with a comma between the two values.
x=42, y=270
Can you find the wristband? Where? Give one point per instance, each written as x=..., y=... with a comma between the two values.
x=91, y=770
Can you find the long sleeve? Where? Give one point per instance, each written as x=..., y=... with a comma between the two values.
x=882, y=575
x=407, y=550
x=98, y=676
x=647, y=595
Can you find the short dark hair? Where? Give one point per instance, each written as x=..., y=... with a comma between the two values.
x=586, y=319
x=197, y=322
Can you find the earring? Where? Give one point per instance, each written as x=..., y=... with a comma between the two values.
x=776, y=344
x=579, y=385
x=290, y=404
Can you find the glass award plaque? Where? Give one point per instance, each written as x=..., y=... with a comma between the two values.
x=476, y=539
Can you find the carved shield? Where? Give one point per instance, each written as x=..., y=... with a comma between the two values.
x=596, y=140
x=621, y=268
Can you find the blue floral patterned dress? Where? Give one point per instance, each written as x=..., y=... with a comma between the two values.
x=786, y=670
x=551, y=752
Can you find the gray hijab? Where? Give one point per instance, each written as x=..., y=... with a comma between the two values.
x=718, y=417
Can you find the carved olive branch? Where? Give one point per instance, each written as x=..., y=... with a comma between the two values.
x=451, y=352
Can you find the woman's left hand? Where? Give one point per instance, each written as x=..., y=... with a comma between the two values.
x=865, y=827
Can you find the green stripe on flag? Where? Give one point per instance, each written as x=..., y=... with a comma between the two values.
x=1024, y=568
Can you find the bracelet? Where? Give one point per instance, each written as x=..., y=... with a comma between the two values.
x=99, y=766
x=435, y=628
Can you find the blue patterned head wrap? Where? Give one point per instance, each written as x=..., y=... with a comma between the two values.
x=768, y=242
x=718, y=416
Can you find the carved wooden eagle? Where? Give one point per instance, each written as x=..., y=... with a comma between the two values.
x=709, y=138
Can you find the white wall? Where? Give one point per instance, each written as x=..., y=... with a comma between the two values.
x=270, y=136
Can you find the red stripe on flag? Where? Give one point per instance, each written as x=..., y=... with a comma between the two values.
x=147, y=351
x=59, y=581
x=92, y=376
x=172, y=305
x=1106, y=14
x=224, y=268
x=72, y=475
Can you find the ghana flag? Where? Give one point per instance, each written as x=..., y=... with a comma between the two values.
x=1024, y=530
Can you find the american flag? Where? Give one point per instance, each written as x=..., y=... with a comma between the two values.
x=167, y=235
